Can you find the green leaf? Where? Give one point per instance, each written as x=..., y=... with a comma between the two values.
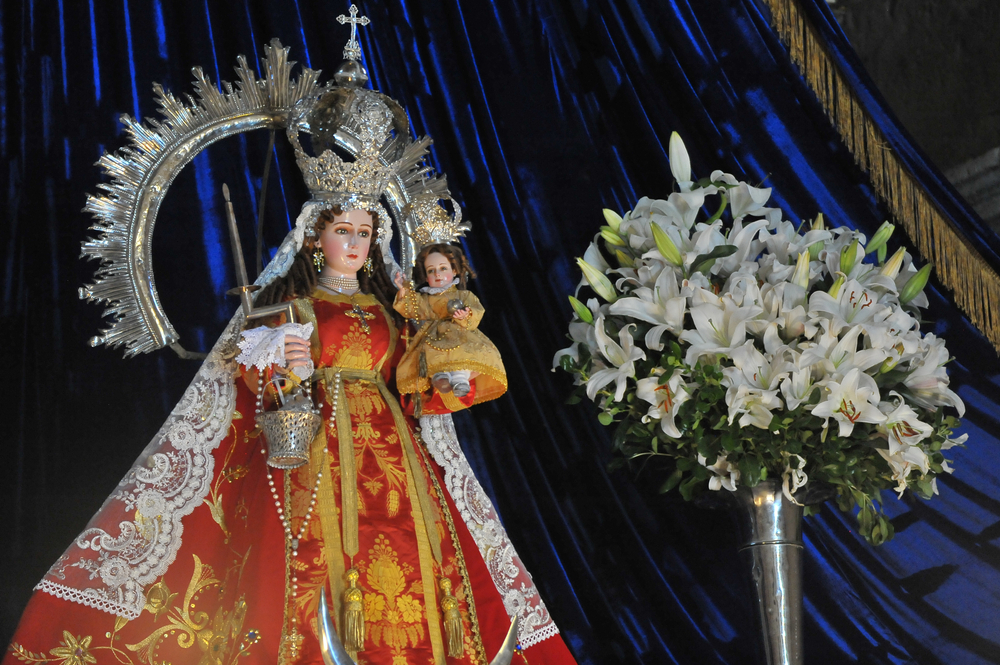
x=688, y=487
x=672, y=481
x=620, y=433
x=686, y=464
x=573, y=399
x=567, y=364
x=749, y=471
x=704, y=262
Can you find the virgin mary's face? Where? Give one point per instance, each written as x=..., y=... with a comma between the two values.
x=345, y=242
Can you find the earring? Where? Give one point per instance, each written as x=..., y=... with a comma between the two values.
x=319, y=259
x=368, y=266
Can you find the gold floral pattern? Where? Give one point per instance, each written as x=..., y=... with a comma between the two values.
x=215, y=635
x=394, y=613
x=354, y=350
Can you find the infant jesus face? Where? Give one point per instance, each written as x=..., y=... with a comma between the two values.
x=439, y=270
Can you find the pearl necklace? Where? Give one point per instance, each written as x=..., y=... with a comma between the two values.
x=340, y=284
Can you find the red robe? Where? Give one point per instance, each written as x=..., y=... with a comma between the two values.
x=235, y=592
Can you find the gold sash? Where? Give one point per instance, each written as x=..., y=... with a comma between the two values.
x=333, y=379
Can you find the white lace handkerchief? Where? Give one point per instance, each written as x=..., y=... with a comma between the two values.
x=263, y=346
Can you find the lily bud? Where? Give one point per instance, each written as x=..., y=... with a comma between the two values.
x=624, y=260
x=849, y=257
x=680, y=163
x=892, y=266
x=613, y=219
x=801, y=275
x=816, y=247
x=597, y=280
x=611, y=237
x=666, y=246
x=835, y=289
x=581, y=310
x=880, y=238
x=915, y=284
x=882, y=251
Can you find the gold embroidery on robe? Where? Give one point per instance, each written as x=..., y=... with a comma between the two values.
x=394, y=615
x=215, y=636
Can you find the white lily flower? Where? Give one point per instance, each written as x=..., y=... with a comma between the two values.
x=666, y=400
x=747, y=243
x=744, y=199
x=622, y=357
x=853, y=305
x=902, y=463
x=753, y=368
x=753, y=405
x=927, y=383
x=853, y=400
x=719, y=176
x=957, y=441
x=753, y=384
x=726, y=474
x=890, y=329
x=718, y=329
x=797, y=387
x=902, y=426
x=663, y=306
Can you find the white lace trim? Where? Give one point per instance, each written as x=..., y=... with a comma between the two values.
x=434, y=290
x=262, y=347
x=520, y=597
x=137, y=533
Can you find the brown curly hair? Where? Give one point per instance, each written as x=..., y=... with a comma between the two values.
x=302, y=278
x=455, y=256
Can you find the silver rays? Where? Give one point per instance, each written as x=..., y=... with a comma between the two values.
x=142, y=172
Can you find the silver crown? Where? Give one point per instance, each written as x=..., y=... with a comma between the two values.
x=432, y=223
x=367, y=123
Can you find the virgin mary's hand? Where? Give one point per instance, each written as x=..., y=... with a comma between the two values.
x=297, y=353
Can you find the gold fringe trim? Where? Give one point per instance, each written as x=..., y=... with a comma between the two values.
x=974, y=284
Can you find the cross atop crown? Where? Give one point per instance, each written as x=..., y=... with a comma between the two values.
x=353, y=50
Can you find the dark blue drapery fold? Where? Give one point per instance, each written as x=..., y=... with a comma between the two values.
x=543, y=112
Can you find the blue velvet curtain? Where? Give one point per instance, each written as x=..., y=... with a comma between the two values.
x=543, y=112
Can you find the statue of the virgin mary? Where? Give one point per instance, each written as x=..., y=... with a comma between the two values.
x=205, y=553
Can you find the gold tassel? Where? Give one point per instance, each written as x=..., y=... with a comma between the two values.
x=354, y=614
x=975, y=285
x=422, y=365
x=453, y=629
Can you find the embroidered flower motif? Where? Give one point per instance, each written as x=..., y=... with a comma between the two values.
x=74, y=650
x=151, y=504
x=114, y=571
x=374, y=606
x=410, y=608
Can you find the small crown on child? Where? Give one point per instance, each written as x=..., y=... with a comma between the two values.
x=432, y=223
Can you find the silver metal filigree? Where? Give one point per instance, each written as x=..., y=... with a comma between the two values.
x=432, y=223
x=142, y=172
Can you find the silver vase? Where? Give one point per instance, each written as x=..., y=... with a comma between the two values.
x=770, y=529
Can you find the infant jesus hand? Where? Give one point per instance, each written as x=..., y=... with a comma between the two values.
x=461, y=314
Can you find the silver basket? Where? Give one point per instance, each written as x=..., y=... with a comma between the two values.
x=289, y=434
x=290, y=431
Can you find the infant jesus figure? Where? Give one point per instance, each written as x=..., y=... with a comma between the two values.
x=449, y=364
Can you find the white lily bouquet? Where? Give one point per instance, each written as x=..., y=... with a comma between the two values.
x=739, y=348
